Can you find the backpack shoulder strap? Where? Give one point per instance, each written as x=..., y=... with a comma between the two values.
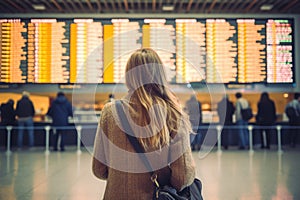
x=133, y=140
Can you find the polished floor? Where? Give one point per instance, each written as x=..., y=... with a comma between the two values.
x=228, y=175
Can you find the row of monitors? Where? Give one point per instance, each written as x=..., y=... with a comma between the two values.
x=192, y=50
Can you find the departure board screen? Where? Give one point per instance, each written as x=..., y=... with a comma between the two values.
x=46, y=54
x=279, y=51
x=13, y=51
x=160, y=36
x=86, y=51
x=121, y=38
x=190, y=50
x=251, y=51
x=90, y=50
x=221, y=51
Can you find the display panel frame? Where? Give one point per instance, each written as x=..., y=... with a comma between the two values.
x=106, y=20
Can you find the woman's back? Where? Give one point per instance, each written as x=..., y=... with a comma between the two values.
x=158, y=123
x=119, y=166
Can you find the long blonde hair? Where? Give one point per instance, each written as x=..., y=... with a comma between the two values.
x=146, y=80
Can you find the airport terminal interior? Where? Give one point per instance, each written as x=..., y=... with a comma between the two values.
x=210, y=49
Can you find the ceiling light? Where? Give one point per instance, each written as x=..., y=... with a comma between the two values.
x=266, y=7
x=168, y=8
x=39, y=7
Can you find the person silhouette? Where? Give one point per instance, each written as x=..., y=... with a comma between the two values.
x=242, y=124
x=25, y=112
x=225, y=111
x=194, y=110
x=59, y=111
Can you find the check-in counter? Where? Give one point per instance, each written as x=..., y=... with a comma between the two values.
x=88, y=131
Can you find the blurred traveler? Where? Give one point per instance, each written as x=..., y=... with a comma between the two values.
x=242, y=124
x=194, y=110
x=8, y=114
x=292, y=111
x=25, y=112
x=111, y=97
x=59, y=111
x=266, y=117
x=225, y=111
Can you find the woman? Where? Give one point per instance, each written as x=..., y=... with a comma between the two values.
x=160, y=125
x=266, y=116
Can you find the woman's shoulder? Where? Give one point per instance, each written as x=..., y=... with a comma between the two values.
x=107, y=109
x=108, y=105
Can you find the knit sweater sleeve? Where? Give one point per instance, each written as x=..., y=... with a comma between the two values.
x=99, y=168
x=182, y=163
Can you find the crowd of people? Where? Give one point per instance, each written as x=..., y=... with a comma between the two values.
x=22, y=117
x=265, y=119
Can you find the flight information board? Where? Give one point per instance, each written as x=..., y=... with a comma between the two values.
x=86, y=51
x=46, y=59
x=160, y=35
x=190, y=50
x=13, y=51
x=251, y=51
x=279, y=51
x=212, y=50
x=221, y=66
x=121, y=38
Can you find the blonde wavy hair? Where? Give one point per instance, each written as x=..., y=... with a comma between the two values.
x=146, y=80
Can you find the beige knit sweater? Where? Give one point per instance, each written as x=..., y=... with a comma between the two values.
x=127, y=178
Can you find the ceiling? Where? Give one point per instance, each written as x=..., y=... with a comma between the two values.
x=150, y=6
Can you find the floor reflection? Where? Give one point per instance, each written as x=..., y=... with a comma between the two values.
x=231, y=174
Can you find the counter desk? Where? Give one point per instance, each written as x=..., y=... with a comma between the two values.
x=88, y=131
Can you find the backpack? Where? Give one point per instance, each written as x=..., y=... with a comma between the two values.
x=291, y=112
x=246, y=114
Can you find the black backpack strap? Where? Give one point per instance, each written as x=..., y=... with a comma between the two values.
x=133, y=140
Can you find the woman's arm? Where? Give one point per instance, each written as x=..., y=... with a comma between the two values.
x=183, y=171
x=182, y=162
x=99, y=168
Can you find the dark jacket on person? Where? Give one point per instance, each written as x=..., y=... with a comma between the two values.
x=25, y=108
x=266, y=114
x=59, y=111
x=8, y=114
x=225, y=111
